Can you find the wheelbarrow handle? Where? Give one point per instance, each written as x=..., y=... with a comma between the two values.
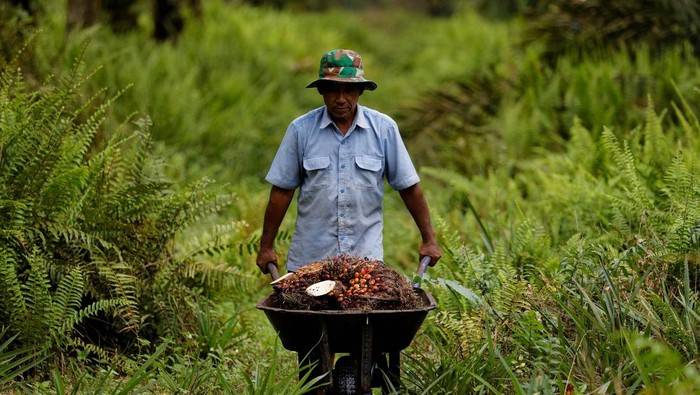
x=272, y=269
x=421, y=271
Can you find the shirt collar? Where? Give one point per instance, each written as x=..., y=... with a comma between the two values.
x=360, y=120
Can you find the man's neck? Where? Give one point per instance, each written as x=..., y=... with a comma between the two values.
x=344, y=124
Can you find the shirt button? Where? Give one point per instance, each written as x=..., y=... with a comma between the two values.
x=342, y=142
x=342, y=191
x=342, y=215
x=342, y=166
x=342, y=237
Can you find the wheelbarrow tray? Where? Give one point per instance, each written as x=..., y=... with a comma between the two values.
x=346, y=330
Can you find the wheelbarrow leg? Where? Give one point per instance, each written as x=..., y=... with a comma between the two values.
x=388, y=371
x=365, y=362
x=321, y=356
x=395, y=368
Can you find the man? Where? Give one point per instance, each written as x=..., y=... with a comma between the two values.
x=338, y=155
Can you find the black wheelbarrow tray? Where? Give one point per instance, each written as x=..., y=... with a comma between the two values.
x=369, y=336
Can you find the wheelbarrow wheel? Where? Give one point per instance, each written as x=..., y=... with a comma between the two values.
x=345, y=376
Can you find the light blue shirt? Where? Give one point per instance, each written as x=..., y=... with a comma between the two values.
x=341, y=183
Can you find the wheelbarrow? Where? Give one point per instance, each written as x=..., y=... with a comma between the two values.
x=373, y=339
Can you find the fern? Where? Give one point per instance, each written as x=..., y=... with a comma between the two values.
x=657, y=148
x=201, y=258
x=583, y=149
x=79, y=344
x=474, y=288
x=123, y=283
x=87, y=232
x=625, y=165
x=462, y=330
x=688, y=121
x=681, y=189
x=92, y=310
x=530, y=246
x=37, y=296
x=14, y=308
x=67, y=297
x=671, y=326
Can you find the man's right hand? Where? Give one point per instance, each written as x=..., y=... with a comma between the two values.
x=266, y=256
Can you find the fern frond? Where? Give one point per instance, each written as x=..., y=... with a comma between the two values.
x=14, y=309
x=41, y=151
x=457, y=324
x=18, y=147
x=107, y=169
x=465, y=332
x=583, y=148
x=449, y=239
x=195, y=257
x=68, y=297
x=679, y=181
x=221, y=276
x=37, y=295
x=77, y=343
x=91, y=310
x=214, y=242
x=530, y=244
x=121, y=282
x=72, y=235
x=193, y=205
x=657, y=146
x=687, y=119
x=669, y=325
x=511, y=299
x=625, y=165
x=141, y=152
x=61, y=191
x=74, y=146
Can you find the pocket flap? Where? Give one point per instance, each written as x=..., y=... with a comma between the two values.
x=368, y=163
x=317, y=163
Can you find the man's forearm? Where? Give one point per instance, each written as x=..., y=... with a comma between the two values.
x=274, y=214
x=415, y=202
x=418, y=208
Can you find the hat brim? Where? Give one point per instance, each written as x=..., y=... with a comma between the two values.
x=369, y=85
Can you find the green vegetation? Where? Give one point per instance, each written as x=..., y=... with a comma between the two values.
x=562, y=176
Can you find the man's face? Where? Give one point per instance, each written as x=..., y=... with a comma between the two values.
x=341, y=100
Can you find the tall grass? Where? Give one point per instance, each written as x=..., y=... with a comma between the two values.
x=592, y=284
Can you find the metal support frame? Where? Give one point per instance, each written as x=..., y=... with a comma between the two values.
x=365, y=362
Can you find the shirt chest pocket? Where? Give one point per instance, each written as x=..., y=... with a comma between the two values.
x=317, y=172
x=368, y=171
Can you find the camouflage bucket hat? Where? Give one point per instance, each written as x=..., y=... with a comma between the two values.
x=342, y=65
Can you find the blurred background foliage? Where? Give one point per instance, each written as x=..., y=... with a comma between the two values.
x=476, y=77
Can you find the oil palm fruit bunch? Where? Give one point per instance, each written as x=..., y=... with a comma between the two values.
x=358, y=279
x=302, y=278
x=347, y=283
